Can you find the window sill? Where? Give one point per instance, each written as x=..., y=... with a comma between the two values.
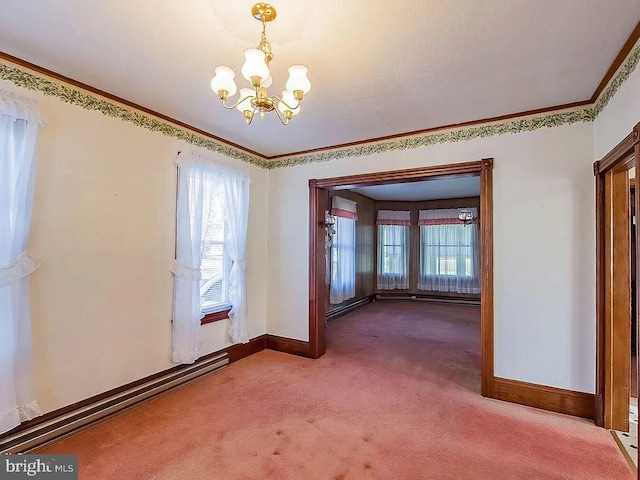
x=215, y=316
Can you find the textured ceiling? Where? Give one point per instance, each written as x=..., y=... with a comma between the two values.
x=428, y=190
x=377, y=68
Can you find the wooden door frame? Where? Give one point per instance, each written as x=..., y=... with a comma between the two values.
x=613, y=308
x=318, y=204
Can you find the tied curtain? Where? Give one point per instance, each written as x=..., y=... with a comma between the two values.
x=449, y=253
x=197, y=180
x=393, y=251
x=343, y=251
x=19, y=125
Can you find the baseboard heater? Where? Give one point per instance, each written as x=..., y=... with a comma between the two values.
x=59, y=426
x=462, y=301
x=347, y=308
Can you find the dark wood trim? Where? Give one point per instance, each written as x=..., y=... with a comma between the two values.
x=622, y=151
x=123, y=101
x=612, y=294
x=288, y=345
x=235, y=353
x=400, y=176
x=215, y=316
x=618, y=300
x=318, y=204
x=486, y=271
x=600, y=322
x=242, y=350
x=317, y=191
x=554, y=399
x=425, y=131
x=624, y=51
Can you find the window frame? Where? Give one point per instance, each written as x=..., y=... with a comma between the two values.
x=221, y=312
x=422, y=274
x=382, y=248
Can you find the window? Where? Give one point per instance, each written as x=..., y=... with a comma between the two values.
x=216, y=264
x=392, y=256
x=393, y=249
x=449, y=259
x=343, y=251
x=447, y=250
x=343, y=261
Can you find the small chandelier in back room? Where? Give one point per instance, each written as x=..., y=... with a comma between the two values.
x=256, y=70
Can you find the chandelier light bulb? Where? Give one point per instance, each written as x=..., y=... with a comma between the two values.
x=223, y=80
x=266, y=83
x=254, y=65
x=298, y=79
x=291, y=101
x=246, y=104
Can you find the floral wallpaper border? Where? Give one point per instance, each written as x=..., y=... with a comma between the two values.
x=461, y=135
x=32, y=81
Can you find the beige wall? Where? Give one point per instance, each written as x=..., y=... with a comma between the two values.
x=544, y=247
x=104, y=229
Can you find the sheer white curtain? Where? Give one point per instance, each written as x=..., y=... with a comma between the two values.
x=343, y=251
x=236, y=186
x=19, y=124
x=197, y=178
x=393, y=249
x=449, y=254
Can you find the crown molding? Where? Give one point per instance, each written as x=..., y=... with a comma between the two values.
x=32, y=77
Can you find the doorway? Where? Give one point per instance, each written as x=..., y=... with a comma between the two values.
x=319, y=204
x=616, y=271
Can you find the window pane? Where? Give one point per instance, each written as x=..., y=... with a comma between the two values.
x=216, y=265
x=446, y=250
x=393, y=249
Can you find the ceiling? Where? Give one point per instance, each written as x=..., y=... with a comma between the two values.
x=436, y=189
x=376, y=68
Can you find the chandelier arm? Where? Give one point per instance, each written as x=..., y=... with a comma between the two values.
x=237, y=103
x=272, y=97
x=282, y=121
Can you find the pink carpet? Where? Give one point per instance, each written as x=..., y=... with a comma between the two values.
x=395, y=397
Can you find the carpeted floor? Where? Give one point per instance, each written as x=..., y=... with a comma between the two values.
x=395, y=397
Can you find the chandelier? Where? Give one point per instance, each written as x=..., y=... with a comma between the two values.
x=256, y=70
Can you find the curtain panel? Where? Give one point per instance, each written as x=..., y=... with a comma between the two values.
x=20, y=121
x=393, y=249
x=343, y=261
x=343, y=208
x=342, y=286
x=449, y=252
x=196, y=176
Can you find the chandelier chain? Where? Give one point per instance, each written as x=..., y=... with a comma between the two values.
x=264, y=45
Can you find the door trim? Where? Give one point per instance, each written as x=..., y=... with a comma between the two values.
x=613, y=337
x=318, y=204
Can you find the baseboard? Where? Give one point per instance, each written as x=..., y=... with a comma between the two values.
x=242, y=350
x=559, y=400
x=65, y=420
x=288, y=345
x=337, y=312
